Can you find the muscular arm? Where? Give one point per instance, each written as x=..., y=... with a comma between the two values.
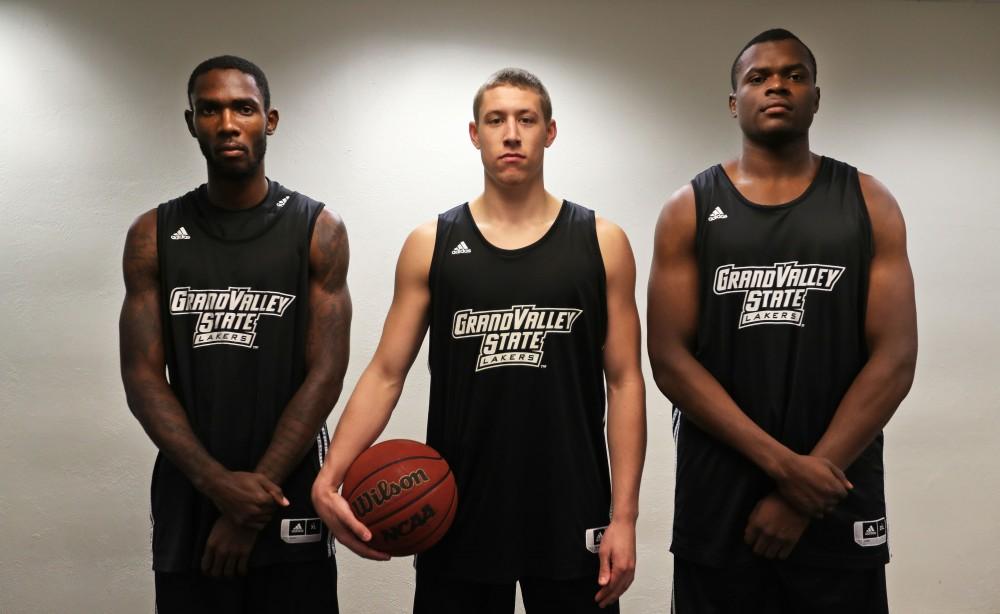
x=328, y=340
x=626, y=412
x=377, y=391
x=812, y=484
x=891, y=333
x=150, y=397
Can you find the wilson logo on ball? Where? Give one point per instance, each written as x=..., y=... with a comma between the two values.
x=384, y=491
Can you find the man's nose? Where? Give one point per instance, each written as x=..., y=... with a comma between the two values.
x=511, y=133
x=227, y=123
x=776, y=84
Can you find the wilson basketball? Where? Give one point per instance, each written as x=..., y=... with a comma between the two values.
x=404, y=492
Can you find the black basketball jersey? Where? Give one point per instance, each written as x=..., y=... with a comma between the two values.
x=517, y=399
x=234, y=289
x=782, y=295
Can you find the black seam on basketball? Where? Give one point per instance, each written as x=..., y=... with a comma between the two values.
x=398, y=460
x=414, y=500
x=451, y=505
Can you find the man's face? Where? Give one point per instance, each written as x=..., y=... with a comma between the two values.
x=230, y=122
x=776, y=95
x=511, y=134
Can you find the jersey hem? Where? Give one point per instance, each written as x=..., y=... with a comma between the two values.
x=831, y=561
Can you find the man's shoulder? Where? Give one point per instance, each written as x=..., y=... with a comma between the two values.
x=183, y=200
x=451, y=214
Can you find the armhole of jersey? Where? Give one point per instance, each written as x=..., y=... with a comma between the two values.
x=161, y=264
x=866, y=219
x=436, y=256
x=313, y=217
x=161, y=212
x=602, y=280
x=698, y=222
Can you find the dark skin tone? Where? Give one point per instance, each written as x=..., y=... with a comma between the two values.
x=774, y=102
x=246, y=500
x=228, y=118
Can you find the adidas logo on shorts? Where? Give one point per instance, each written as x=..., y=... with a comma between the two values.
x=180, y=234
x=461, y=248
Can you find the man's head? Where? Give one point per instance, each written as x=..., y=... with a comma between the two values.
x=774, y=87
x=514, y=77
x=512, y=125
x=230, y=114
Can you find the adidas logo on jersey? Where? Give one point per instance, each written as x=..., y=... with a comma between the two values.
x=717, y=214
x=281, y=203
x=180, y=234
x=461, y=248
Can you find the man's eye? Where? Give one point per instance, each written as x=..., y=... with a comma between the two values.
x=246, y=110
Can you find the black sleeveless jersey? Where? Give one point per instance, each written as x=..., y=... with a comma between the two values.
x=517, y=400
x=234, y=289
x=782, y=296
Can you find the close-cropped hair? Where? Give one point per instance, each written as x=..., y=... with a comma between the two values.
x=774, y=34
x=227, y=62
x=516, y=77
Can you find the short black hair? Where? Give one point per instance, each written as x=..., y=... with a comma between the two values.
x=774, y=34
x=516, y=77
x=226, y=62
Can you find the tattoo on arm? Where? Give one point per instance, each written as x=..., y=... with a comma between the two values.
x=143, y=368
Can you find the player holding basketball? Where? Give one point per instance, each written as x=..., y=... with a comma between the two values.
x=782, y=325
x=238, y=289
x=530, y=304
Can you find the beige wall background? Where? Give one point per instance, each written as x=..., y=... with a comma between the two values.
x=375, y=97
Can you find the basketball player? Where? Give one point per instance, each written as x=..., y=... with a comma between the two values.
x=530, y=304
x=782, y=326
x=238, y=290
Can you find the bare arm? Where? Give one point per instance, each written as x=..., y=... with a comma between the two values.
x=328, y=343
x=626, y=412
x=379, y=387
x=812, y=484
x=891, y=332
x=248, y=498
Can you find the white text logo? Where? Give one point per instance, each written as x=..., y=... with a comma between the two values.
x=514, y=336
x=775, y=294
x=228, y=316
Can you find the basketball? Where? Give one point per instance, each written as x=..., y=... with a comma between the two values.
x=404, y=492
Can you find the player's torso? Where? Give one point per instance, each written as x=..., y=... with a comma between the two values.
x=234, y=292
x=234, y=311
x=517, y=388
x=782, y=297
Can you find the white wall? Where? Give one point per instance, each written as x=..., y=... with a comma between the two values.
x=375, y=98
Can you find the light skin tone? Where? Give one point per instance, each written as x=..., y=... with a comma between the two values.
x=514, y=210
x=228, y=117
x=774, y=103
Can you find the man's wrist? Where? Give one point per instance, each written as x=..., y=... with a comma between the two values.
x=625, y=514
x=206, y=481
x=774, y=461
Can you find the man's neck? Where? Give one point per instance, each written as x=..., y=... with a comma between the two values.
x=791, y=159
x=514, y=204
x=239, y=192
